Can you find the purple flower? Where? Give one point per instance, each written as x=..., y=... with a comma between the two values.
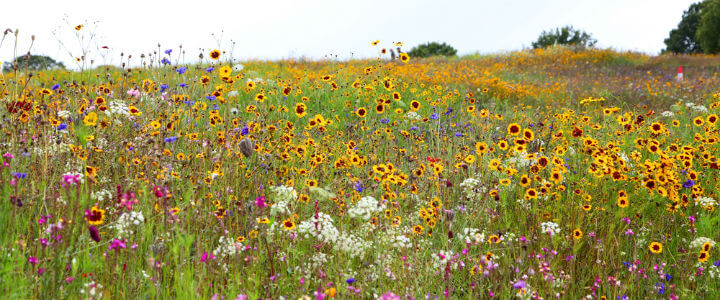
x=245, y=130
x=350, y=280
x=168, y=51
x=181, y=70
x=33, y=260
x=62, y=126
x=55, y=87
x=183, y=84
x=434, y=116
x=94, y=234
x=359, y=186
x=210, y=69
x=519, y=285
x=165, y=61
x=384, y=121
x=171, y=139
x=688, y=184
x=163, y=87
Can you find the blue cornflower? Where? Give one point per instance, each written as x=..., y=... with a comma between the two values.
x=62, y=126
x=163, y=87
x=688, y=184
x=210, y=69
x=434, y=116
x=216, y=107
x=168, y=51
x=359, y=188
x=181, y=70
x=20, y=175
x=165, y=61
x=716, y=263
x=55, y=87
x=245, y=131
x=668, y=277
x=171, y=139
x=384, y=121
x=211, y=97
x=183, y=84
x=661, y=288
x=350, y=280
x=414, y=128
x=458, y=134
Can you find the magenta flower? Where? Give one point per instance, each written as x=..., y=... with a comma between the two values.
x=117, y=245
x=33, y=260
x=260, y=202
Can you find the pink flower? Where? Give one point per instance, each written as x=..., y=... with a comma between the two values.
x=33, y=260
x=260, y=202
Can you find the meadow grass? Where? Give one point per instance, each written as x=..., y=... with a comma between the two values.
x=556, y=173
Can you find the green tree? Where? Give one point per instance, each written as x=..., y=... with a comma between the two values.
x=432, y=49
x=33, y=62
x=682, y=39
x=566, y=35
x=708, y=32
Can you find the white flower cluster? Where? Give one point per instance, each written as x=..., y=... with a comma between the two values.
x=281, y=207
x=697, y=108
x=284, y=193
x=411, y=115
x=471, y=235
x=441, y=260
x=472, y=189
x=93, y=290
x=127, y=222
x=326, y=232
x=238, y=67
x=64, y=114
x=706, y=202
x=352, y=245
x=101, y=195
x=700, y=241
x=550, y=227
x=117, y=108
x=520, y=160
x=365, y=208
x=667, y=113
x=227, y=247
x=397, y=240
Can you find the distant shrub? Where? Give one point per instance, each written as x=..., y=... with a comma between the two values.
x=432, y=49
x=564, y=36
x=708, y=31
x=683, y=38
x=32, y=62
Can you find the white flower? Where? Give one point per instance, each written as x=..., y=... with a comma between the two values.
x=550, y=227
x=238, y=67
x=700, y=241
x=364, y=208
x=63, y=114
x=127, y=222
x=668, y=113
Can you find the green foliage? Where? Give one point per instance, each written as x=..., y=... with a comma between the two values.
x=708, y=33
x=432, y=49
x=682, y=39
x=33, y=62
x=566, y=35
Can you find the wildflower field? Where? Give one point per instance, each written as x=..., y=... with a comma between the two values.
x=556, y=173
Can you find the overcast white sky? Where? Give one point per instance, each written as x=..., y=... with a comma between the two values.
x=274, y=29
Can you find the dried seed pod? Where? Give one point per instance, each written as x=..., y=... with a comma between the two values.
x=247, y=147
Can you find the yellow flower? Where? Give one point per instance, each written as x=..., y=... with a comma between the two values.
x=90, y=119
x=655, y=247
